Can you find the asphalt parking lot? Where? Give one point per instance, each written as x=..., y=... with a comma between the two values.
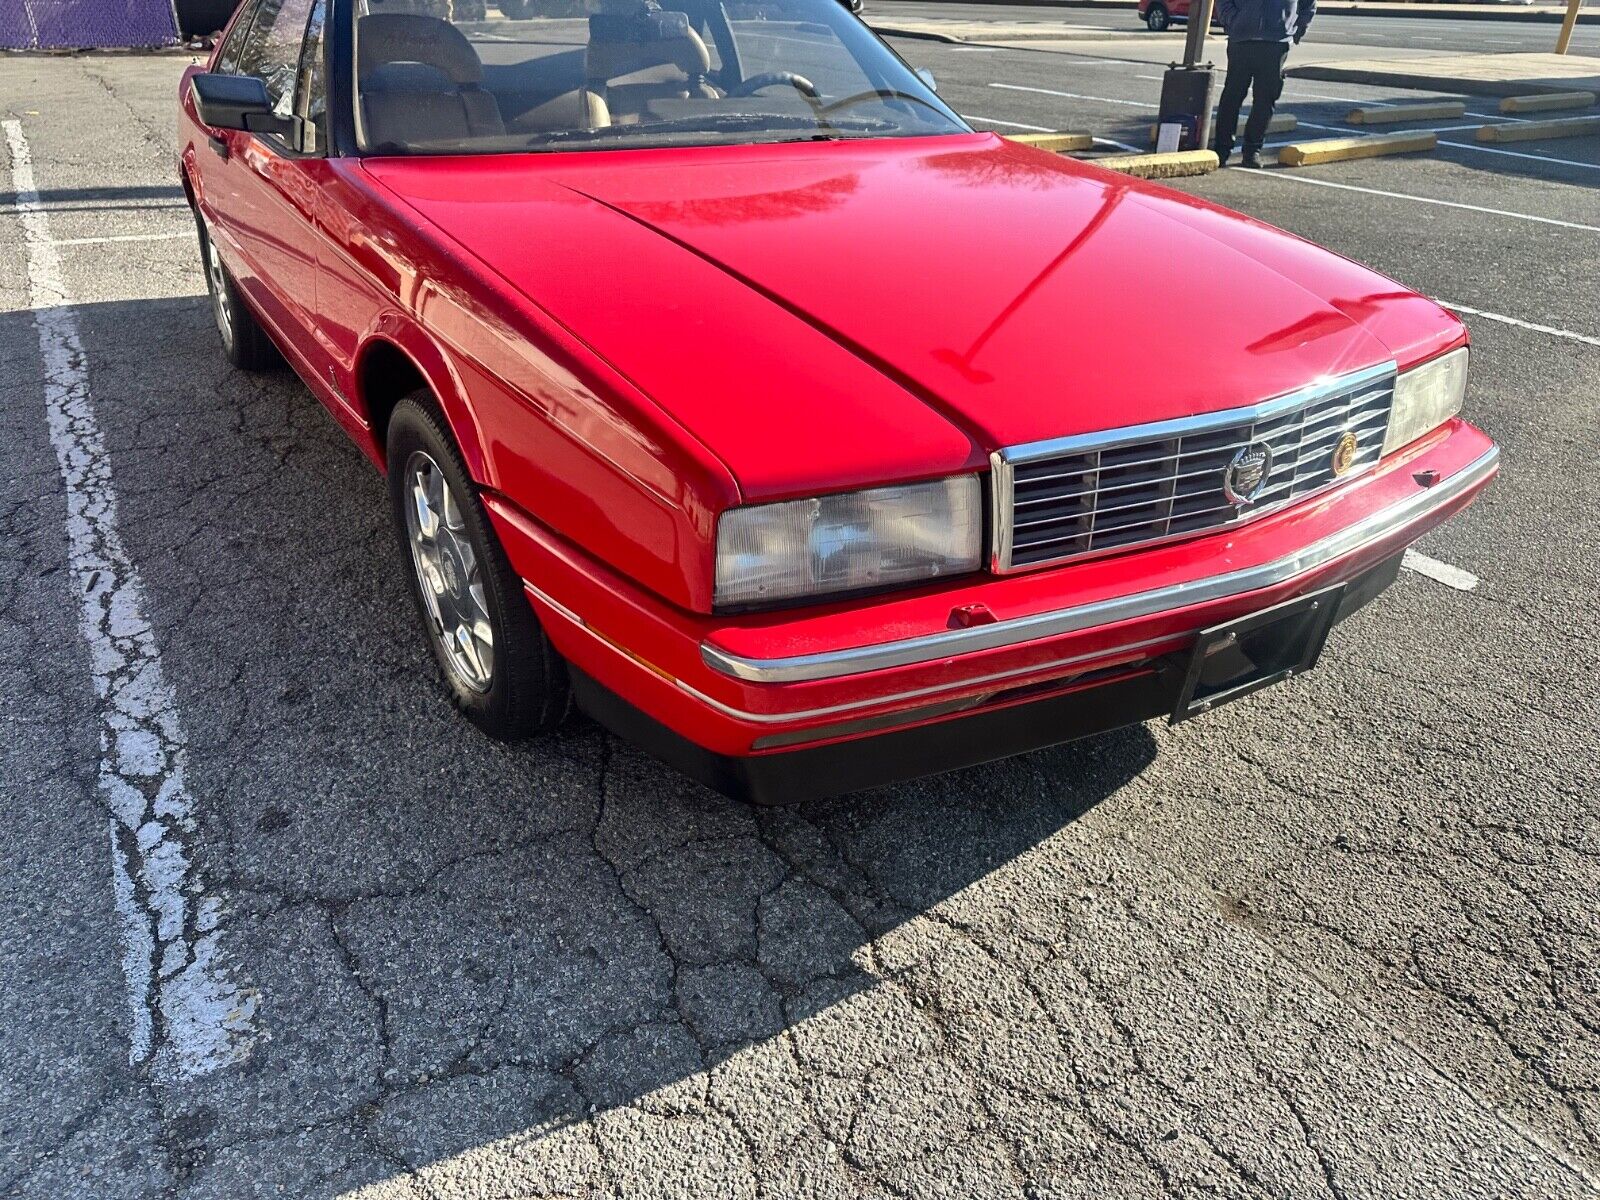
x=1338, y=939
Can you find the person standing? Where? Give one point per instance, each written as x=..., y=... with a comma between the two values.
x=1259, y=35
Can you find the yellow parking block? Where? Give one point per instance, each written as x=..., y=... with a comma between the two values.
x=1058, y=142
x=1280, y=123
x=1547, y=102
x=1160, y=166
x=1394, y=114
x=1530, y=131
x=1306, y=154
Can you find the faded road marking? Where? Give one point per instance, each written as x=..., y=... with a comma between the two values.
x=1439, y=572
x=188, y=1015
x=1521, y=324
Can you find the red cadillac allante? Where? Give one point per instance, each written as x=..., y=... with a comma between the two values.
x=730, y=385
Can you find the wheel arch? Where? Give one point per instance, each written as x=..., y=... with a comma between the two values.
x=392, y=362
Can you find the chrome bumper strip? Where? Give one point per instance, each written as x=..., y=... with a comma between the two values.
x=934, y=646
x=834, y=710
x=926, y=693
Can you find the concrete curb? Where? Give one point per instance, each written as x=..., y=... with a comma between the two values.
x=919, y=34
x=1545, y=103
x=1533, y=131
x=1159, y=166
x=1398, y=77
x=1448, y=111
x=1306, y=154
x=1056, y=142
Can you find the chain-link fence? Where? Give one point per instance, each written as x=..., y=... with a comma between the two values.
x=81, y=24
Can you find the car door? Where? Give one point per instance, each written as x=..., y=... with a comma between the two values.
x=268, y=198
x=217, y=184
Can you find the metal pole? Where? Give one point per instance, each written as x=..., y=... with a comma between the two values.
x=1571, y=19
x=1194, y=44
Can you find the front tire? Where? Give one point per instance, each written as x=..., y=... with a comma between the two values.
x=498, y=666
x=1156, y=18
x=244, y=341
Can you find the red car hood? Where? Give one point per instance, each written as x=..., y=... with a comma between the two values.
x=1018, y=294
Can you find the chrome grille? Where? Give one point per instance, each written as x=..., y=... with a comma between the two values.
x=1109, y=491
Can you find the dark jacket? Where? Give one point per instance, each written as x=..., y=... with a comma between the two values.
x=1266, y=20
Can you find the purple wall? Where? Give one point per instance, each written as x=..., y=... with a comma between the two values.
x=69, y=24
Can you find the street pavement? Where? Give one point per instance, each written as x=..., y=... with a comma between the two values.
x=1338, y=939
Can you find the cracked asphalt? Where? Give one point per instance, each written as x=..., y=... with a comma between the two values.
x=1336, y=940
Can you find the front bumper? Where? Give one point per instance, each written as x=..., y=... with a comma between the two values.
x=832, y=698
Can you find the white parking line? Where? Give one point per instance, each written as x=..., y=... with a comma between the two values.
x=1540, y=158
x=1521, y=324
x=188, y=1016
x=1286, y=177
x=1007, y=124
x=1439, y=572
x=1017, y=87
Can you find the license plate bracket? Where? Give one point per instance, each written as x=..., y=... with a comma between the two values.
x=1232, y=660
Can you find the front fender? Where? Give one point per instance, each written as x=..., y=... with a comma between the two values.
x=401, y=333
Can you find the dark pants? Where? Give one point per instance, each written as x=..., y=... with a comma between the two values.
x=1256, y=67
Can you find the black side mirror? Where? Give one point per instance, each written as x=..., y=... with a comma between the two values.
x=237, y=102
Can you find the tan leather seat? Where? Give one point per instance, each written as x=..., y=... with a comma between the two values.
x=421, y=81
x=582, y=108
x=638, y=54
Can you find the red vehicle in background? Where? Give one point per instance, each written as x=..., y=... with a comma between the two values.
x=729, y=385
x=1160, y=14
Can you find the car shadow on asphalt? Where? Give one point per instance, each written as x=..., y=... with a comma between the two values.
x=106, y=198
x=460, y=945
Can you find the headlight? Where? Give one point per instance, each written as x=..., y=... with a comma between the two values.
x=1426, y=397
x=848, y=542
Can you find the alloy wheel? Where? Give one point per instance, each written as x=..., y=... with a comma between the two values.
x=221, y=298
x=449, y=574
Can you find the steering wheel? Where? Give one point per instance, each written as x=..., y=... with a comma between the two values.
x=749, y=87
x=878, y=94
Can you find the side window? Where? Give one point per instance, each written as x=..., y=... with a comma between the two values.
x=251, y=49
x=228, y=56
x=272, y=51
x=312, y=101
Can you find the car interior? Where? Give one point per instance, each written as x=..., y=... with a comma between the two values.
x=427, y=78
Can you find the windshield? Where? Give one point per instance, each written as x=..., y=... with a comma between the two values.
x=500, y=76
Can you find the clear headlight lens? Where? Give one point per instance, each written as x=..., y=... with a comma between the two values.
x=847, y=542
x=1425, y=397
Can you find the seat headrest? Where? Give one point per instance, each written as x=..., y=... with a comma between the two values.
x=621, y=43
x=411, y=37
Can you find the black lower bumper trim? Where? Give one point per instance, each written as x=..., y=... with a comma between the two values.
x=1139, y=694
